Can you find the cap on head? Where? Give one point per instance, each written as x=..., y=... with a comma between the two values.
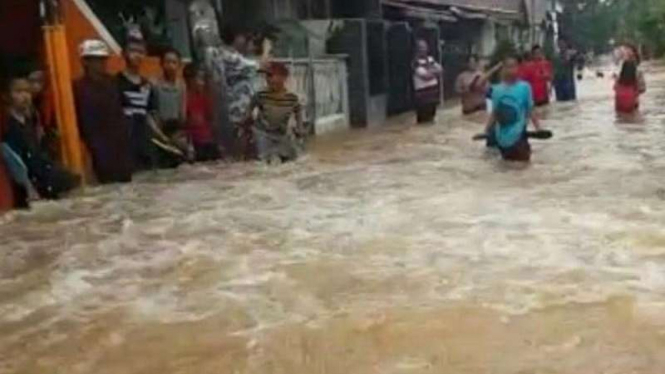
x=94, y=48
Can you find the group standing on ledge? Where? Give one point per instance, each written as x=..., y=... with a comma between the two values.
x=129, y=123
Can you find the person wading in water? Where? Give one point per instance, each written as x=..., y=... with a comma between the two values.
x=473, y=84
x=427, y=83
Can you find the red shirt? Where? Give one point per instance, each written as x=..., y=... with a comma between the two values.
x=627, y=98
x=6, y=192
x=199, y=118
x=523, y=70
x=539, y=74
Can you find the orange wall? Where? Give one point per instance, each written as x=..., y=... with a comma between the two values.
x=80, y=29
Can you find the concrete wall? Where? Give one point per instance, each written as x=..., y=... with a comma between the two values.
x=350, y=39
x=270, y=10
x=367, y=103
x=177, y=23
x=319, y=32
x=249, y=12
x=487, y=39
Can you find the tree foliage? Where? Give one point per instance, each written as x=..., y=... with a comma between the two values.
x=594, y=24
x=591, y=24
x=644, y=24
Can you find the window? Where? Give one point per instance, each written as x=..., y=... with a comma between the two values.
x=162, y=22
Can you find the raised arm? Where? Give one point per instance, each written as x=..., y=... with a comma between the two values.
x=488, y=75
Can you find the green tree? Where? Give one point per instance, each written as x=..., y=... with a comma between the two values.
x=591, y=24
x=644, y=24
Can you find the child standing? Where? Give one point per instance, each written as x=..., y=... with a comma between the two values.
x=43, y=102
x=138, y=104
x=275, y=131
x=628, y=88
x=23, y=136
x=170, y=95
x=200, y=115
x=426, y=81
x=512, y=103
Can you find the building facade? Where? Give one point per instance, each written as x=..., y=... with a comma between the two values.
x=376, y=36
x=351, y=58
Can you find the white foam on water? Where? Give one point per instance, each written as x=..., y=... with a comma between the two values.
x=386, y=220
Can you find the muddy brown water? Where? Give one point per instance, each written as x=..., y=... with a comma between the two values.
x=401, y=250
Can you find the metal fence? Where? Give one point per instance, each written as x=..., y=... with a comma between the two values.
x=321, y=84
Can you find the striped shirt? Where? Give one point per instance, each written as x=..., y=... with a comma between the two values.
x=276, y=109
x=137, y=98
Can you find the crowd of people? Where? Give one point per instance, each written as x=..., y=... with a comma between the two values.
x=525, y=82
x=129, y=123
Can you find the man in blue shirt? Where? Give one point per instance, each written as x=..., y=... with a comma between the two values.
x=512, y=103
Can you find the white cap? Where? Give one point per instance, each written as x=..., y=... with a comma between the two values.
x=94, y=48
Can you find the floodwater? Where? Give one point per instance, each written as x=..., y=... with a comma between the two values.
x=403, y=250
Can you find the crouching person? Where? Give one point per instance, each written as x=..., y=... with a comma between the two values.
x=22, y=138
x=278, y=124
x=102, y=123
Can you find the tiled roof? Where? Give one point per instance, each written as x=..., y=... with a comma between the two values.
x=499, y=6
x=492, y=5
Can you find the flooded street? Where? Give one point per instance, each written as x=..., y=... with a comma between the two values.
x=403, y=250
